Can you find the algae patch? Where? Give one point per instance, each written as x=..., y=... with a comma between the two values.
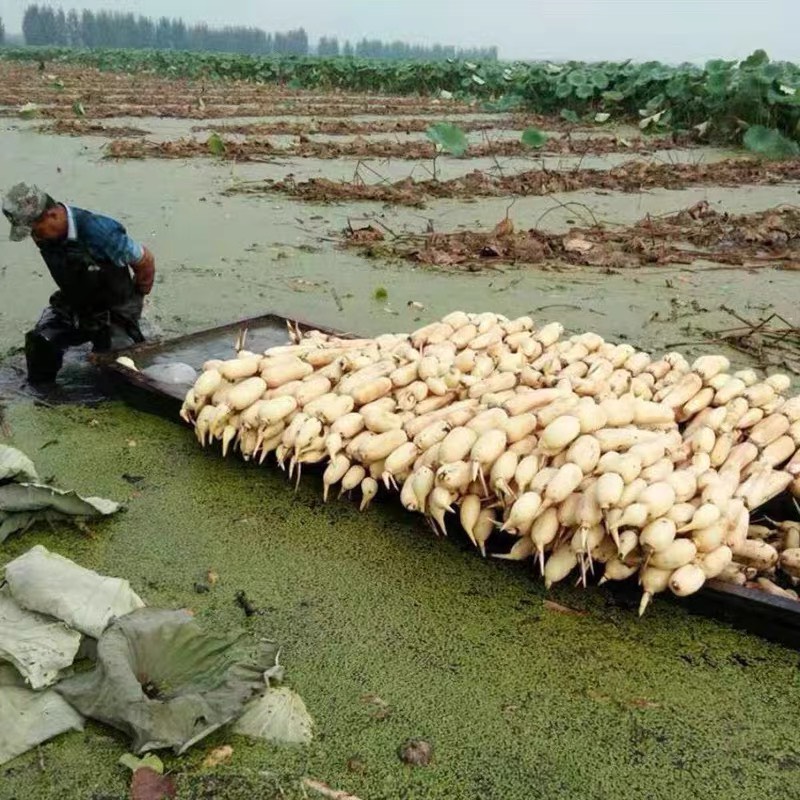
x=518, y=701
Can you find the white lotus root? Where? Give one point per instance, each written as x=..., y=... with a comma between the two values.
x=599, y=460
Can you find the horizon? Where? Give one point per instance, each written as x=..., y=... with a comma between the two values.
x=693, y=31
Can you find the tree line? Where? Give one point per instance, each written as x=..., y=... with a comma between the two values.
x=375, y=48
x=43, y=25
x=2, y=33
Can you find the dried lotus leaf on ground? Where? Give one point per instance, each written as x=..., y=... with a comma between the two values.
x=166, y=682
x=15, y=465
x=34, y=497
x=763, y=238
x=630, y=177
x=51, y=584
x=24, y=501
x=279, y=716
x=38, y=646
x=28, y=718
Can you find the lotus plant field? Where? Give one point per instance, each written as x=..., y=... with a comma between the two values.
x=612, y=420
x=723, y=97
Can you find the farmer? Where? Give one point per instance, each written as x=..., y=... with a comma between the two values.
x=101, y=273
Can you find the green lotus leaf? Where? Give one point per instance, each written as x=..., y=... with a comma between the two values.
x=448, y=138
x=534, y=138
x=769, y=143
x=756, y=59
x=215, y=145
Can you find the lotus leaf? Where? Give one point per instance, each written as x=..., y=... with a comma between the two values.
x=166, y=682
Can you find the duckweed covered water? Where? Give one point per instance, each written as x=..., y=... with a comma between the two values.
x=390, y=633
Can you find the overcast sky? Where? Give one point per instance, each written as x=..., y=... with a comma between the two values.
x=668, y=30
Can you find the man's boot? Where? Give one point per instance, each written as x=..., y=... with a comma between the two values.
x=43, y=357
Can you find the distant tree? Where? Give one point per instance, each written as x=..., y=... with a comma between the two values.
x=102, y=34
x=60, y=26
x=163, y=34
x=197, y=37
x=31, y=27
x=128, y=31
x=180, y=35
x=42, y=25
x=73, y=28
x=301, y=42
x=88, y=29
x=147, y=32
x=2, y=33
x=48, y=25
x=328, y=47
x=291, y=43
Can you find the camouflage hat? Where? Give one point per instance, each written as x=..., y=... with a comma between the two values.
x=23, y=205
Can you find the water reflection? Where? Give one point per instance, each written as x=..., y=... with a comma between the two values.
x=78, y=382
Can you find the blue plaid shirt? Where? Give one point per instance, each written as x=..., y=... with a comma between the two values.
x=105, y=238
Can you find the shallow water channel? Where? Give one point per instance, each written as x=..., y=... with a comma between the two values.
x=388, y=633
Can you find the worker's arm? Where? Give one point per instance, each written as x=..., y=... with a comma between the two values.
x=109, y=239
x=144, y=271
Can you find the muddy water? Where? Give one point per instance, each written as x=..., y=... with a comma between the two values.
x=225, y=257
x=380, y=170
x=518, y=699
x=162, y=129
